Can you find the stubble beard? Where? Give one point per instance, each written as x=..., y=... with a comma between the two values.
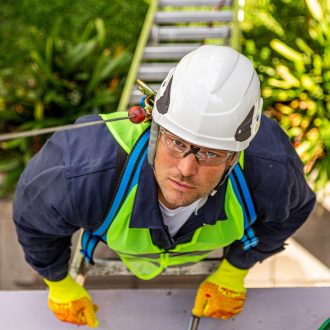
x=177, y=198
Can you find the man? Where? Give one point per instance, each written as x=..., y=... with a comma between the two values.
x=218, y=174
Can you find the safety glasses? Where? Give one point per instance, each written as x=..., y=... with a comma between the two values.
x=179, y=148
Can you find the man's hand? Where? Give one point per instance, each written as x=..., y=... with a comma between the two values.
x=222, y=294
x=71, y=303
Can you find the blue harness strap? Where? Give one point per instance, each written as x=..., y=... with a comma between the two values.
x=128, y=180
x=242, y=192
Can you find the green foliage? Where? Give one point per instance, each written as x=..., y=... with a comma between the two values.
x=56, y=65
x=295, y=73
x=64, y=80
x=123, y=20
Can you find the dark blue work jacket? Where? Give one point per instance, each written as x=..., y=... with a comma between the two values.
x=67, y=186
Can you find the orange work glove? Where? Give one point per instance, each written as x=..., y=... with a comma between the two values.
x=222, y=294
x=71, y=303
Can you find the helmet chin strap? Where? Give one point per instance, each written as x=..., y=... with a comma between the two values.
x=152, y=143
x=225, y=175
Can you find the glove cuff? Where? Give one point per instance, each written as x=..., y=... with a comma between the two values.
x=65, y=290
x=229, y=277
x=65, y=282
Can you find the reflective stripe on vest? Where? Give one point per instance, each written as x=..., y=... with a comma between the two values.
x=184, y=253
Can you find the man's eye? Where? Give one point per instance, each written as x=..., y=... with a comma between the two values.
x=178, y=144
x=210, y=154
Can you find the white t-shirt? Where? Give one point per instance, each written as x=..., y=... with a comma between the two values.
x=175, y=219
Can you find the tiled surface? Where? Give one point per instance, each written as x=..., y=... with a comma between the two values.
x=315, y=234
x=164, y=309
x=294, y=267
x=14, y=271
x=323, y=196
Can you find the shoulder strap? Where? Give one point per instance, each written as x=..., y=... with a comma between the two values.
x=129, y=177
x=242, y=192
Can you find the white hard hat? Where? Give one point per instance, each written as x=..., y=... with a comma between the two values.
x=211, y=98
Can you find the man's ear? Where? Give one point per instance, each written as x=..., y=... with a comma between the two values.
x=153, y=140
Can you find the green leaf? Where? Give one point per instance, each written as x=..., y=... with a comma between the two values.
x=39, y=111
x=316, y=33
x=304, y=47
x=318, y=65
x=50, y=96
x=116, y=65
x=10, y=179
x=30, y=125
x=315, y=9
x=13, y=144
x=87, y=32
x=49, y=52
x=104, y=98
x=97, y=72
x=284, y=72
x=9, y=164
x=77, y=54
x=82, y=76
x=286, y=51
x=279, y=83
x=285, y=109
x=9, y=115
x=107, y=68
x=99, y=25
x=41, y=63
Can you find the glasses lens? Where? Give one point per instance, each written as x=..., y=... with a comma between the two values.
x=178, y=148
x=174, y=145
x=211, y=158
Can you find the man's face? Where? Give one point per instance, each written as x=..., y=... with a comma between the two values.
x=182, y=181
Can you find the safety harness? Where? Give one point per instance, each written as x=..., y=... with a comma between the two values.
x=130, y=173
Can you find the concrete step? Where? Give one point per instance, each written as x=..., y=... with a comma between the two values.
x=294, y=267
x=168, y=309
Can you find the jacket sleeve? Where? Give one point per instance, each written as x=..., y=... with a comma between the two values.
x=283, y=201
x=43, y=211
x=64, y=187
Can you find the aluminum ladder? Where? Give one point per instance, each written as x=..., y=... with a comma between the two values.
x=172, y=29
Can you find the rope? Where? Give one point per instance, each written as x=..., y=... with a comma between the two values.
x=16, y=135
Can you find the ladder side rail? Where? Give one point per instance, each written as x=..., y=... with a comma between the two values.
x=138, y=55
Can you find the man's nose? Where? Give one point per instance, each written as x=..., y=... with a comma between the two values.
x=188, y=165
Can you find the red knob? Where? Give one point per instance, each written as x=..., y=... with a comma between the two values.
x=136, y=114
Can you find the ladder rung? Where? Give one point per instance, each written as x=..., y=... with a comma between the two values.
x=168, y=52
x=117, y=267
x=192, y=33
x=187, y=3
x=193, y=16
x=154, y=71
